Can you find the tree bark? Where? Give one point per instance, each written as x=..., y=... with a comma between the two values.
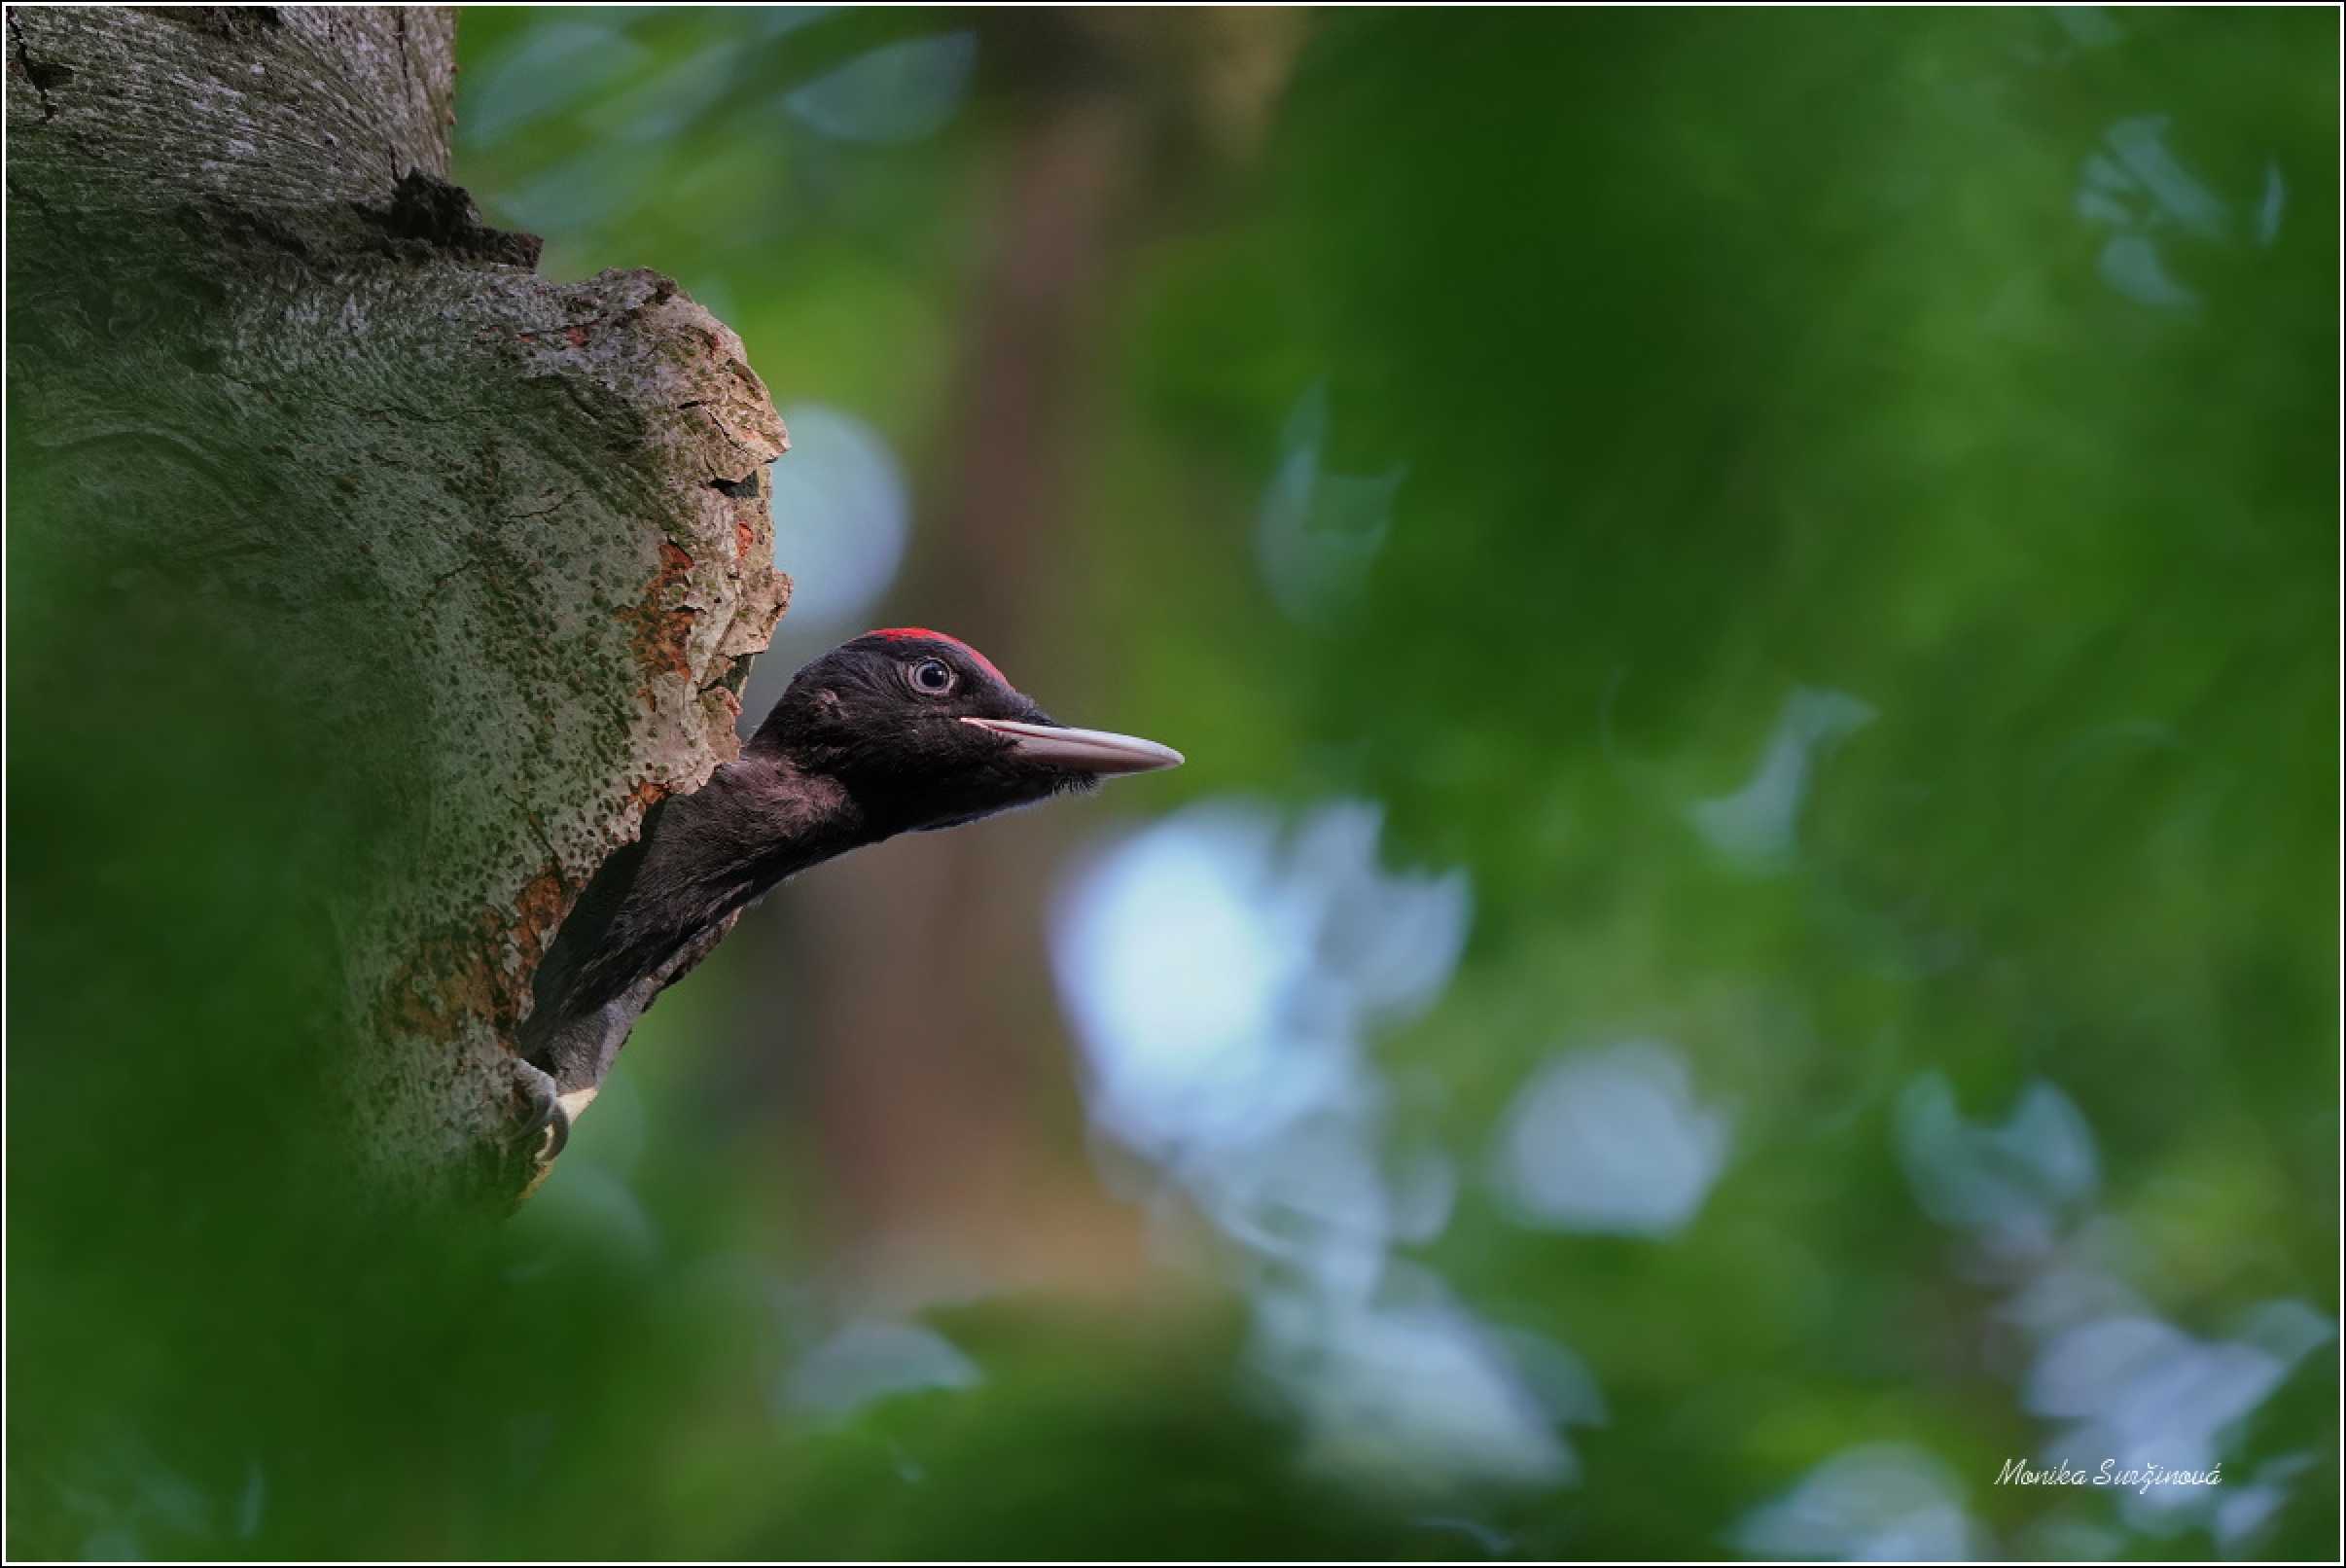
x=514, y=534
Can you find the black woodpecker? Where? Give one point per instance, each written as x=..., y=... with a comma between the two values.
x=899, y=731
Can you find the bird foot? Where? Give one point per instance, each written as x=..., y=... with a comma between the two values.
x=546, y=1128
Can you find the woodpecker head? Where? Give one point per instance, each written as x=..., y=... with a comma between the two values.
x=923, y=731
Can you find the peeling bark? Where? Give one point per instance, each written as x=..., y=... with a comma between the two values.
x=516, y=532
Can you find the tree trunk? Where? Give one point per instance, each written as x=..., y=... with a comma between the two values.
x=511, y=537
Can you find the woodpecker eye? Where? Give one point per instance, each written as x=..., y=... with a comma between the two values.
x=932, y=676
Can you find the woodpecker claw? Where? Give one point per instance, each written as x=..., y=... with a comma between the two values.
x=548, y=1123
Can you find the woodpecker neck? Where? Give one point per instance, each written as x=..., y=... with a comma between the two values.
x=759, y=821
x=700, y=858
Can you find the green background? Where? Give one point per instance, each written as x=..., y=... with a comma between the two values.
x=1528, y=424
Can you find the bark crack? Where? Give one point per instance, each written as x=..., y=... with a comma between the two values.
x=42, y=74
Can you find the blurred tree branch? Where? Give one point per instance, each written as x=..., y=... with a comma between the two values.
x=508, y=539
x=971, y=1150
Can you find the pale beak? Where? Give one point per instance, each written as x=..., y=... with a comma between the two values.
x=1081, y=751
